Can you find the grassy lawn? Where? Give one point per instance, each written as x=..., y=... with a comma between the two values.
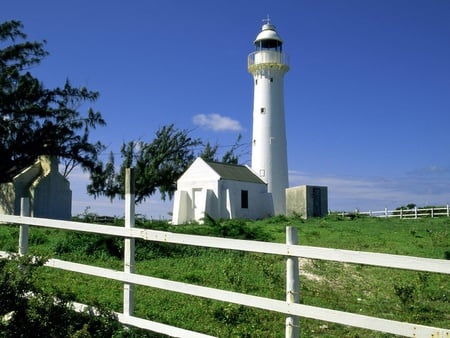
x=422, y=298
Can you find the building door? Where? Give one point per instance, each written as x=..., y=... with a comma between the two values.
x=198, y=204
x=317, y=202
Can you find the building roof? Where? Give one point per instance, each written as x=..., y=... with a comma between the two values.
x=235, y=172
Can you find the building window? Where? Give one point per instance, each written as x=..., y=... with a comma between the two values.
x=244, y=199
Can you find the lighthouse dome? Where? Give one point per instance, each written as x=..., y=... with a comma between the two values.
x=268, y=32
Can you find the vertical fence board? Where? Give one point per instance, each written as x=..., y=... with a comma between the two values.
x=128, y=288
x=292, y=284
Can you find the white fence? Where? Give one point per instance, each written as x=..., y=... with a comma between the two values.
x=288, y=250
x=402, y=213
x=291, y=308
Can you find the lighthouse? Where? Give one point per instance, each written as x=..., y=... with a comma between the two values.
x=268, y=64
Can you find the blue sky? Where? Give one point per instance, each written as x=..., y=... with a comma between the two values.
x=367, y=98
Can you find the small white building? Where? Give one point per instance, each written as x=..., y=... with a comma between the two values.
x=221, y=191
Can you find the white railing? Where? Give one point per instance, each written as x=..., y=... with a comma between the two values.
x=401, y=213
x=291, y=308
x=268, y=57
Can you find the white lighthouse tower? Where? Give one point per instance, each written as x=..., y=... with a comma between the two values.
x=268, y=64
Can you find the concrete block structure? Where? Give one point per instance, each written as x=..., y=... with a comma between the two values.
x=48, y=191
x=307, y=201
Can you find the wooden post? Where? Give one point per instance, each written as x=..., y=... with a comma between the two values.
x=292, y=285
x=128, y=289
x=23, y=231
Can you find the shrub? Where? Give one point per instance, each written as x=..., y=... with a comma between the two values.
x=30, y=311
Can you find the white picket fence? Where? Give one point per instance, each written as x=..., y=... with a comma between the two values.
x=401, y=213
x=291, y=307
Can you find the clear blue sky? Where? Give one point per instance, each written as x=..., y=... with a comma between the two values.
x=367, y=98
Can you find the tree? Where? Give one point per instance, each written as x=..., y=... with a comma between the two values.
x=35, y=120
x=209, y=152
x=410, y=205
x=158, y=164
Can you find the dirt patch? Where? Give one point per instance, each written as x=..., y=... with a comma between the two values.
x=303, y=264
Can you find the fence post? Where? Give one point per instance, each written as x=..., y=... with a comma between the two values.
x=23, y=231
x=385, y=212
x=415, y=212
x=292, y=284
x=448, y=211
x=128, y=289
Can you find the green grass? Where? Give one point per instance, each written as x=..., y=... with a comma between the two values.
x=422, y=298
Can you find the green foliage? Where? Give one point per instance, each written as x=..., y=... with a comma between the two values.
x=30, y=311
x=9, y=238
x=406, y=293
x=235, y=228
x=410, y=206
x=35, y=120
x=92, y=245
x=278, y=219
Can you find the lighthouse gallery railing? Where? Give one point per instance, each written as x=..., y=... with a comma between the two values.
x=268, y=57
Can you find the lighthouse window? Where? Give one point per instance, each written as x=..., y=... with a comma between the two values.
x=271, y=79
x=244, y=199
x=263, y=110
x=256, y=81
